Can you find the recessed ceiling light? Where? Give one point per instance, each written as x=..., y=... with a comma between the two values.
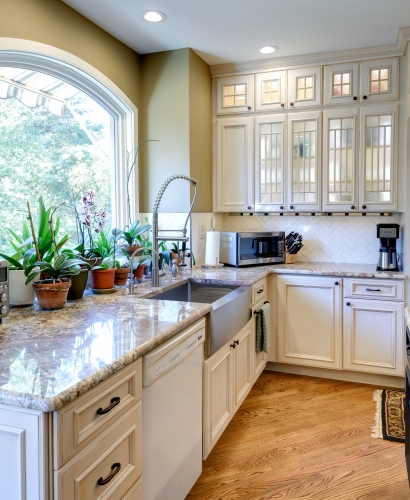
x=153, y=16
x=267, y=49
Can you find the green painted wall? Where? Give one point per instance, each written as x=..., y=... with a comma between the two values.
x=54, y=23
x=176, y=109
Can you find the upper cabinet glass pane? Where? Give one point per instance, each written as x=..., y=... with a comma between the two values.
x=305, y=88
x=379, y=80
x=234, y=95
x=341, y=85
x=270, y=91
x=270, y=188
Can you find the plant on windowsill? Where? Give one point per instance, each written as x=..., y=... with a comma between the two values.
x=133, y=236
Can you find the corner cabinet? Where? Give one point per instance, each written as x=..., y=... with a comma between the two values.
x=234, y=169
x=309, y=321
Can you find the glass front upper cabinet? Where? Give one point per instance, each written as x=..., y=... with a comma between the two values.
x=304, y=87
x=341, y=83
x=304, y=152
x=339, y=160
x=380, y=79
x=270, y=162
x=270, y=90
x=378, y=158
x=235, y=94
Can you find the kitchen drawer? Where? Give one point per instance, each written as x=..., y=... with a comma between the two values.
x=78, y=479
x=135, y=492
x=78, y=423
x=377, y=289
x=258, y=291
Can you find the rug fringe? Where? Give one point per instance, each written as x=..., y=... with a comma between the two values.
x=377, y=427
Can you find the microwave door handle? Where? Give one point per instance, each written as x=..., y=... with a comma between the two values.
x=253, y=241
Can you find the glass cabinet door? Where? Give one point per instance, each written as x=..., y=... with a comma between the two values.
x=378, y=158
x=304, y=153
x=380, y=79
x=339, y=160
x=304, y=87
x=269, y=163
x=270, y=90
x=235, y=94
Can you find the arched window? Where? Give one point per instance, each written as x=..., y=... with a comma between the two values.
x=64, y=128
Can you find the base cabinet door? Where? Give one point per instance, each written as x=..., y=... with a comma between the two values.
x=309, y=321
x=373, y=333
x=243, y=365
x=218, y=406
x=22, y=459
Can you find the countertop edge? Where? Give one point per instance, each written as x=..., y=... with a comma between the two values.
x=35, y=402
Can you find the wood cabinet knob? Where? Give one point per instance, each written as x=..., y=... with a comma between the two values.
x=365, y=97
x=281, y=207
x=348, y=303
x=291, y=207
x=249, y=108
x=292, y=103
x=355, y=98
x=248, y=207
x=364, y=207
x=282, y=104
x=352, y=207
x=336, y=283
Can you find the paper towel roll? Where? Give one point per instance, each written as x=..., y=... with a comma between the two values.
x=212, y=248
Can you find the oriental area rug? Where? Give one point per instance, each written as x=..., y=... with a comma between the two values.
x=389, y=418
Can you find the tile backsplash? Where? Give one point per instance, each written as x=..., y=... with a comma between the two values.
x=326, y=239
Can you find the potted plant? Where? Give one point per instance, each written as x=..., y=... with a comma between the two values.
x=52, y=291
x=133, y=237
x=103, y=276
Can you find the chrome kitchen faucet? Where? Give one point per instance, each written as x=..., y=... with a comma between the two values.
x=155, y=230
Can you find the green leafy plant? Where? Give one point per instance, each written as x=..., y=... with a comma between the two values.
x=23, y=248
x=104, y=244
x=107, y=263
x=47, y=243
x=134, y=233
x=62, y=267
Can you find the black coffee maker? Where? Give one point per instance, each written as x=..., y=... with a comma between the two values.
x=388, y=234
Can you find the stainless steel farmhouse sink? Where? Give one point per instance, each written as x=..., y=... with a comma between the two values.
x=231, y=309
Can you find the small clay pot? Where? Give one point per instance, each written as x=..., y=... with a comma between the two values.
x=102, y=278
x=121, y=276
x=139, y=272
x=51, y=295
x=78, y=284
x=130, y=249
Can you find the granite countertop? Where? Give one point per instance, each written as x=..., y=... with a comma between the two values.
x=48, y=358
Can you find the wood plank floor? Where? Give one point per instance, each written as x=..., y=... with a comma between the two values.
x=297, y=437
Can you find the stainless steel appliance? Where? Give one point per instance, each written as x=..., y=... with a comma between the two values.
x=388, y=234
x=248, y=248
x=4, y=289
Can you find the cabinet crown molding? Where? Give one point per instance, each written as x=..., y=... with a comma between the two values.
x=395, y=49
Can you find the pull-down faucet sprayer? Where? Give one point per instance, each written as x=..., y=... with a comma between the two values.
x=156, y=230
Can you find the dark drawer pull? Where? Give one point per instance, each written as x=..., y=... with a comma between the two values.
x=114, y=402
x=115, y=470
x=373, y=290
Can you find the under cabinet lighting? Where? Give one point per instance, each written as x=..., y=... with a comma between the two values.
x=267, y=49
x=153, y=16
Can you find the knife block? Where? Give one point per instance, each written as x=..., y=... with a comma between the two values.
x=290, y=258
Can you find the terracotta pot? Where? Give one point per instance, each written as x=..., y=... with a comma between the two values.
x=139, y=272
x=102, y=278
x=20, y=293
x=130, y=249
x=121, y=276
x=51, y=295
x=78, y=284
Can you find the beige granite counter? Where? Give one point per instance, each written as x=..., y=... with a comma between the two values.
x=48, y=358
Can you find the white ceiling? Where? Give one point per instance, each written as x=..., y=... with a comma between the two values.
x=223, y=31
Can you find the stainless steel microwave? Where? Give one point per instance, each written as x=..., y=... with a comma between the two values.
x=246, y=248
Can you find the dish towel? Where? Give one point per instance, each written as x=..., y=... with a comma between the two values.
x=263, y=329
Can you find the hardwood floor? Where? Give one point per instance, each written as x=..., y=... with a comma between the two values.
x=297, y=437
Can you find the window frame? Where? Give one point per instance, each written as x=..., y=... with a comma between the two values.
x=77, y=72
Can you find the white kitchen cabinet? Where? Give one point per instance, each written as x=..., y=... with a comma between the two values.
x=378, y=151
x=270, y=162
x=270, y=90
x=309, y=321
x=340, y=178
x=218, y=406
x=305, y=87
x=304, y=163
x=228, y=378
x=380, y=79
x=373, y=333
x=235, y=94
x=23, y=465
x=341, y=84
x=234, y=169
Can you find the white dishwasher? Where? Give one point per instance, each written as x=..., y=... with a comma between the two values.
x=172, y=415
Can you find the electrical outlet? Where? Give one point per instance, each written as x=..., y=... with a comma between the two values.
x=202, y=232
